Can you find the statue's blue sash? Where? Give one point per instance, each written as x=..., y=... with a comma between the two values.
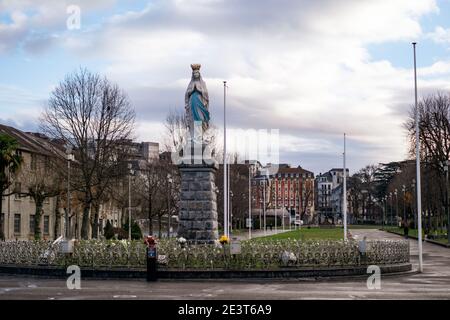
x=199, y=112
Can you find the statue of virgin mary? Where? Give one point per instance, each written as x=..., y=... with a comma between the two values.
x=197, y=101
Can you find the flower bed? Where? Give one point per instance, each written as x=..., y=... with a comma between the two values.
x=260, y=255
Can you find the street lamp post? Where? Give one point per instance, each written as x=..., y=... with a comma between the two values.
x=169, y=194
x=413, y=188
x=260, y=204
x=404, y=203
x=264, y=204
x=390, y=202
x=386, y=210
x=230, y=198
x=70, y=157
x=396, y=203
x=447, y=206
x=129, y=200
x=276, y=203
x=445, y=165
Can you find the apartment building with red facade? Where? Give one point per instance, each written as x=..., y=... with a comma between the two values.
x=286, y=192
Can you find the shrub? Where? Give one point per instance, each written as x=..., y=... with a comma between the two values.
x=136, y=232
x=108, y=231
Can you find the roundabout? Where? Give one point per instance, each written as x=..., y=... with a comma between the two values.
x=432, y=284
x=248, y=259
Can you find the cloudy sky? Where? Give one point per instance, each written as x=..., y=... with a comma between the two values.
x=312, y=69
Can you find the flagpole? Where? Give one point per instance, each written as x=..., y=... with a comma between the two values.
x=418, y=187
x=229, y=220
x=344, y=200
x=249, y=200
x=225, y=175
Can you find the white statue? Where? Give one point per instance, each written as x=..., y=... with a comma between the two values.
x=197, y=101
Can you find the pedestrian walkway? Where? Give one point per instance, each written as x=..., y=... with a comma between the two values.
x=436, y=259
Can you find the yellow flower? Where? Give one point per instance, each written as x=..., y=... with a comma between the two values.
x=224, y=239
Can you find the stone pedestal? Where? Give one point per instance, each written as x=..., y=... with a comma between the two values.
x=198, y=203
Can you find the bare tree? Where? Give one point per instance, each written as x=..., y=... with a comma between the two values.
x=176, y=131
x=308, y=195
x=151, y=182
x=159, y=191
x=434, y=135
x=91, y=115
x=41, y=180
x=434, y=128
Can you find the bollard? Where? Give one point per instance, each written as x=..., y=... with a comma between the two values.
x=152, y=259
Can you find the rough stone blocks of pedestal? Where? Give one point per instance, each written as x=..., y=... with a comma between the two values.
x=198, y=203
x=185, y=186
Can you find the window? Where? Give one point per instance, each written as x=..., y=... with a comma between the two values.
x=17, y=223
x=32, y=222
x=46, y=224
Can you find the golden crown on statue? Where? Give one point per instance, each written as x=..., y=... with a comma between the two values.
x=195, y=66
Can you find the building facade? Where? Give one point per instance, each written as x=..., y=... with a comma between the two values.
x=329, y=190
x=17, y=219
x=285, y=192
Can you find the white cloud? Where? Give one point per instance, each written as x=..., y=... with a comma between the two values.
x=16, y=29
x=440, y=35
x=34, y=23
x=299, y=66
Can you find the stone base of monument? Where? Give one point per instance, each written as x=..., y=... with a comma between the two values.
x=198, y=203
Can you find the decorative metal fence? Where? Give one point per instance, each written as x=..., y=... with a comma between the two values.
x=269, y=254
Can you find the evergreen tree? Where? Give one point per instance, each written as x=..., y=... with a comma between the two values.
x=108, y=231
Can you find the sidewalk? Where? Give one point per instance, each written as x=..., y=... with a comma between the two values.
x=436, y=259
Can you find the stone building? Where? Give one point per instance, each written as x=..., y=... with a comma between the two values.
x=18, y=211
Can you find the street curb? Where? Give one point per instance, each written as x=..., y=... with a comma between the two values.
x=277, y=274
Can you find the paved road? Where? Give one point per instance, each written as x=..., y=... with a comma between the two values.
x=434, y=283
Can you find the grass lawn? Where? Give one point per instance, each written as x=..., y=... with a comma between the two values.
x=414, y=233
x=364, y=226
x=304, y=233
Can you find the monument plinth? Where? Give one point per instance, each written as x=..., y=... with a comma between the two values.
x=198, y=198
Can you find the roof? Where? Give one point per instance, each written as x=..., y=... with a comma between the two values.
x=274, y=170
x=326, y=175
x=292, y=170
x=33, y=142
x=339, y=169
